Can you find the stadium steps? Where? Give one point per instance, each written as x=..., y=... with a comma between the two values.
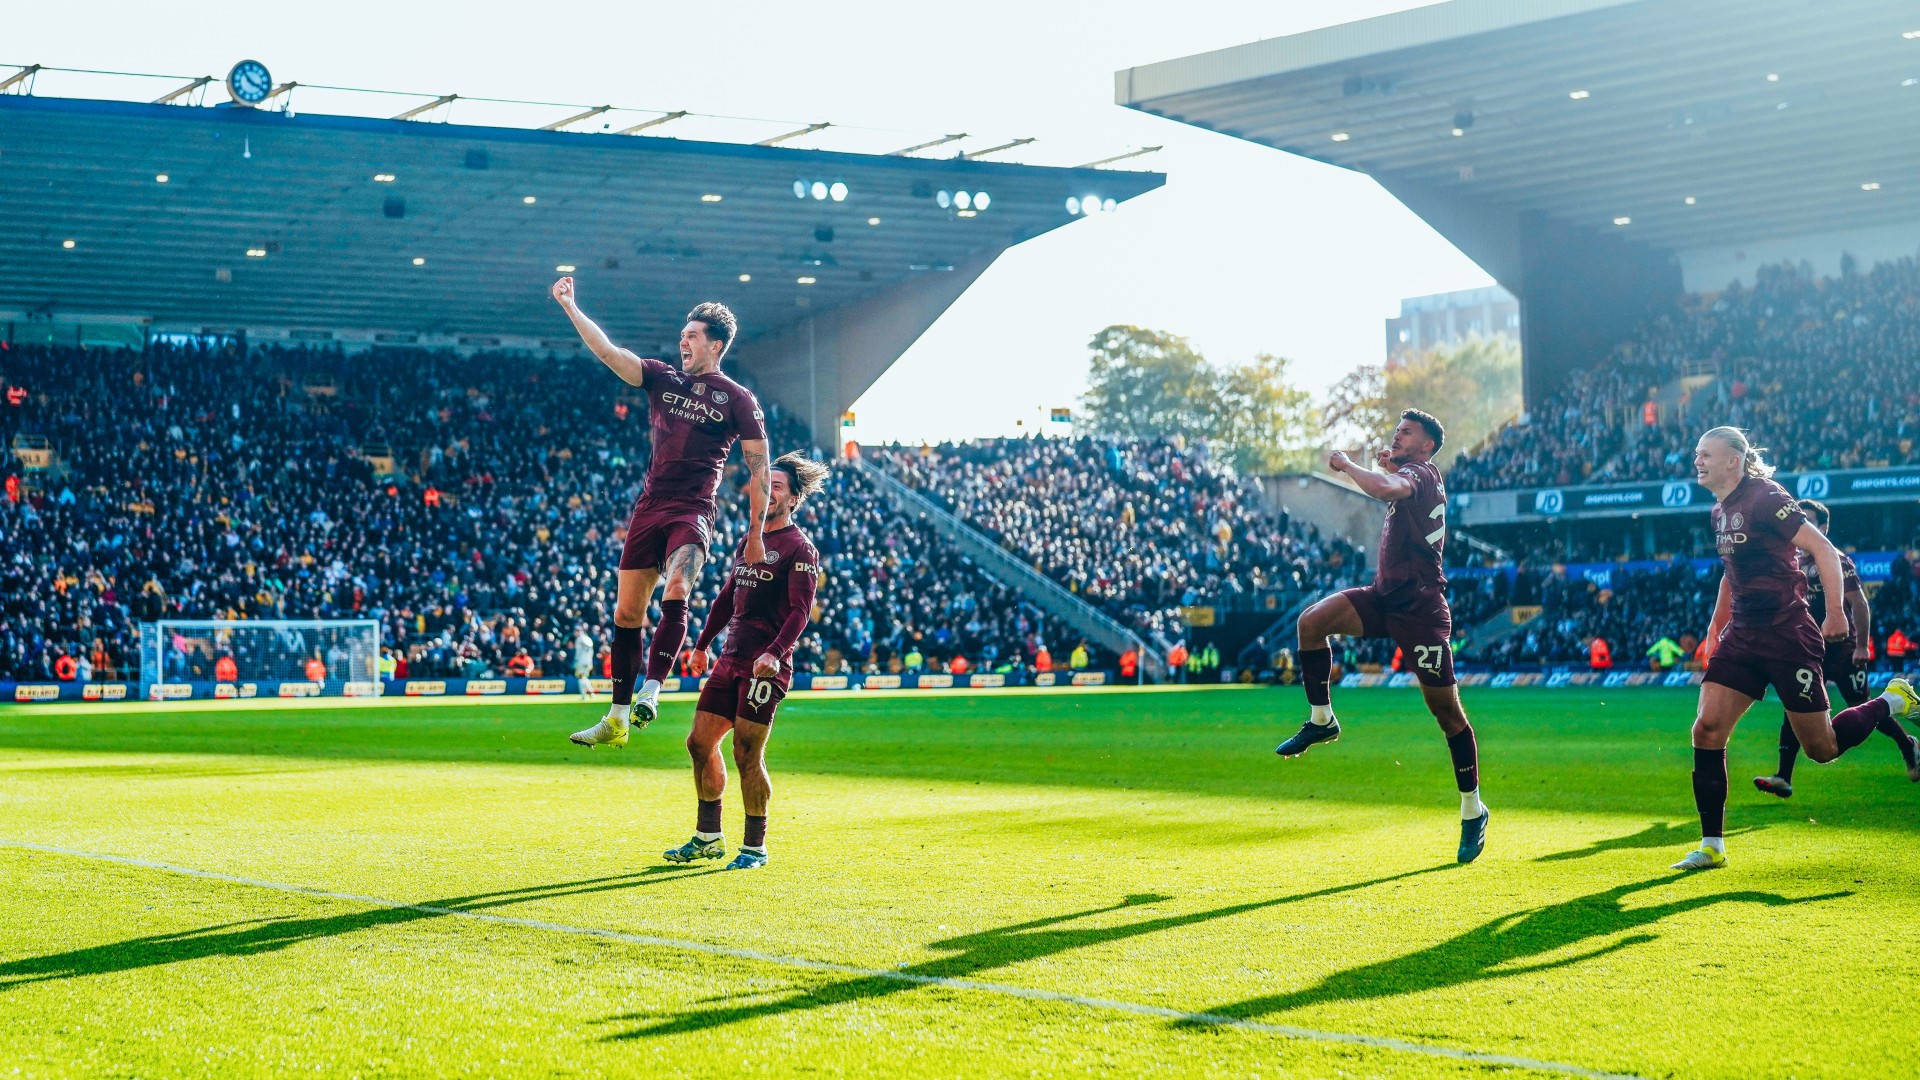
x=1052, y=597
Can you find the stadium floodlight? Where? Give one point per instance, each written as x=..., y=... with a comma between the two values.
x=564, y=268
x=968, y=213
x=68, y=244
x=1910, y=82
x=161, y=178
x=256, y=253
x=711, y=197
x=528, y=200
x=799, y=189
x=1871, y=185
x=1911, y=35
x=744, y=278
x=818, y=190
x=1090, y=204
x=838, y=191
x=873, y=221
x=1341, y=136
x=1623, y=220
x=306, y=658
x=1073, y=205
x=963, y=200
x=1579, y=95
x=418, y=261
x=804, y=280
x=1107, y=206
x=1690, y=200
x=1459, y=131
x=943, y=199
x=981, y=200
x=1772, y=77
x=383, y=178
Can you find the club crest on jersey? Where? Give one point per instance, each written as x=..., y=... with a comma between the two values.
x=1738, y=521
x=699, y=388
x=719, y=397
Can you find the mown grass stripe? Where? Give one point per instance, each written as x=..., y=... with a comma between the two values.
x=804, y=964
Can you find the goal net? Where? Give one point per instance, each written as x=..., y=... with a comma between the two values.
x=283, y=657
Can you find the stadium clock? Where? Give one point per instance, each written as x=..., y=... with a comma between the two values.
x=249, y=82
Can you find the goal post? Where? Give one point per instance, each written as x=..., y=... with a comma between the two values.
x=312, y=657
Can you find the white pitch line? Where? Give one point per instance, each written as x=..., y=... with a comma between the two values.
x=1001, y=989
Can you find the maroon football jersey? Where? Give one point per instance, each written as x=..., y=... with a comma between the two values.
x=1413, y=537
x=1817, y=592
x=1754, y=527
x=771, y=602
x=695, y=420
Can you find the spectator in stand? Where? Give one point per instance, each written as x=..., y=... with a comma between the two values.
x=472, y=504
x=1139, y=528
x=1599, y=654
x=1818, y=368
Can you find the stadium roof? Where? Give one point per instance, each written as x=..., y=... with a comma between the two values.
x=1682, y=124
x=467, y=234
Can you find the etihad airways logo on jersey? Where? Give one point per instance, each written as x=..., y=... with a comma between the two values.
x=752, y=575
x=692, y=408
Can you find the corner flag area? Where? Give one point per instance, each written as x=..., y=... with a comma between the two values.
x=1114, y=884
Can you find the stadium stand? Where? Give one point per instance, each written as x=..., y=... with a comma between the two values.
x=474, y=504
x=1821, y=370
x=1138, y=528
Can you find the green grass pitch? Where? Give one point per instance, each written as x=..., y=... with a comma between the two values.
x=1111, y=883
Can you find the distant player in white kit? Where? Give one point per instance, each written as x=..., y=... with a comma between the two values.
x=583, y=662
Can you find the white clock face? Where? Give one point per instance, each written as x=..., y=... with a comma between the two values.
x=249, y=82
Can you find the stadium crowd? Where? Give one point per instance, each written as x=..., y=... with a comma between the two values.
x=1138, y=528
x=472, y=504
x=1821, y=370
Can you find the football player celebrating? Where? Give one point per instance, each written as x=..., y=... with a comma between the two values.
x=763, y=607
x=1845, y=663
x=1406, y=602
x=1763, y=633
x=695, y=414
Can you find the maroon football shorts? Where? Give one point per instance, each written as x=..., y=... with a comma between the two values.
x=1787, y=657
x=1422, y=627
x=1851, y=677
x=732, y=690
x=658, y=529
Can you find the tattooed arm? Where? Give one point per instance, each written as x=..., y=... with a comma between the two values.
x=759, y=491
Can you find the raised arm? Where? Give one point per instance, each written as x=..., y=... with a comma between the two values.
x=759, y=490
x=1387, y=487
x=1826, y=558
x=624, y=364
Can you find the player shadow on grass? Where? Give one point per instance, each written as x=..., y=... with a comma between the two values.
x=1657, y=835
x=1498, y=949
x=997, y=948
x=250, y=937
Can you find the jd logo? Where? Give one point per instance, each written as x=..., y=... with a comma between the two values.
x=1549, y=502
x=1677, y=493
x=1813, y=486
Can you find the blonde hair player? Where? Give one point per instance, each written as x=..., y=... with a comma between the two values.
x=1763, y=634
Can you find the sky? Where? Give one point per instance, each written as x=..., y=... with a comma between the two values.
x=1245, y=250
